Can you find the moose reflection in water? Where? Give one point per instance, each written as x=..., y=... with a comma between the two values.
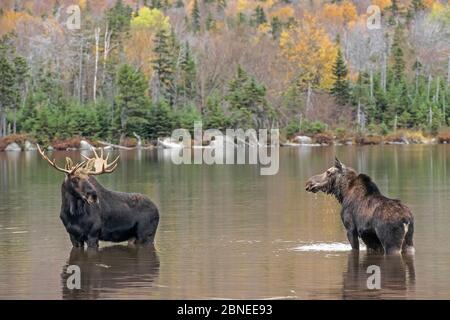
x=397, y=276
x=91, y=213
x=111, y=269
x=385, y=225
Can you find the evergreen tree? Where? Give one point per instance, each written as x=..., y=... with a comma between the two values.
x=187, y=66
x=195, y=17
x=214, y=117
x=131, y=101
x=260, y=16
x=7, y=92
x=276, y=27
x=341, y=87
x=210, y=22
x=397, y=55
x=161, y=121
x=163, y=65
x=394, y=9
x=247, y=99
x=118, y=18
x=21, y=77
x=417, y=5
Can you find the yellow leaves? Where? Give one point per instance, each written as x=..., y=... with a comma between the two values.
x=150, y=19
x=430, y=3
x=440, y=12
x=382, y=3
x=312, y=52
x=264, y=28
x=82, y=4
x=243, y=5
x=340, y=14
x=284, y=13
x=11, y=19
x=144, y=27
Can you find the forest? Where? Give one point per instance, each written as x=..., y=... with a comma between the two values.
x=109, y=69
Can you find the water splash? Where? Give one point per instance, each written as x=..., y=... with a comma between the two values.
x=326, y=246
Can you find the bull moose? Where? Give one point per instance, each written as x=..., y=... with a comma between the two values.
x=91, y=213
x=383, y=224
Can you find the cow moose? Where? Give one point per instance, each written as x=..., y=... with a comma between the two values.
x=91, y=213
x=383, y=224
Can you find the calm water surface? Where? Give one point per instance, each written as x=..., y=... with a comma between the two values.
x=226, y=231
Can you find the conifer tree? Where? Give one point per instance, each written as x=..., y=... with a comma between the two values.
x=260, y=16
x=341, y=87
x=195, y=17
x=163, y=65
x=7, y=92
x=397, y=55
x=132, y=101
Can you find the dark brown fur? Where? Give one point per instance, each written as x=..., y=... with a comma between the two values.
x=90, y=213
x=383, y=224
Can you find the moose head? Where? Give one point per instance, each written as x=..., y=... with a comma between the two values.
x=334, y=181
x=78, y=182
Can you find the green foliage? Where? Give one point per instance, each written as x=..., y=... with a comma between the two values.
x=247, y=100
x=163, y=65
x=118, y=18
x=341, y=88
x=132, y=101
x=161, y=121
x=195, y=17
x=313, y=127
x=214, y=116
x=259, y=16
x=292, y=128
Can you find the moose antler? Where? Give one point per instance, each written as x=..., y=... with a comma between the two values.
x=69, y=168
x=99, y=165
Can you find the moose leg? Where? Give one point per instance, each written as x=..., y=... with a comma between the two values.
x=372, y=242
x=92, y=242
x=76, y=242
x=408, y=244
x=352, y=236
x=391, y=238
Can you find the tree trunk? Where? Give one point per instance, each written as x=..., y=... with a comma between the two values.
x=106, y=49
x=15, y=121
x=308, y=100
x=371, y=84
x=429, y=87
x=2, y=133
x=436, y=98
x=384, y=73
x=97, y=39
x=448, y=71
x=80, y=74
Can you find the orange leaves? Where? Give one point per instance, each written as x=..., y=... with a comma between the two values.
x=12, y=19
x=139, y=47
x=310, y=49
x=340, y=14
x=382, y=3
x=284, y=13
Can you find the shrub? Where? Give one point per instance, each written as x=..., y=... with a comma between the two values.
x=64, y=144
x=444, y=136
x=312, y=128
x=368, y=139
x=324, y=138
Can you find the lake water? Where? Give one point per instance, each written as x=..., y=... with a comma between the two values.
x=226, y=231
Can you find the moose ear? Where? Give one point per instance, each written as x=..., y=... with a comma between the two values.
x=339, y=165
